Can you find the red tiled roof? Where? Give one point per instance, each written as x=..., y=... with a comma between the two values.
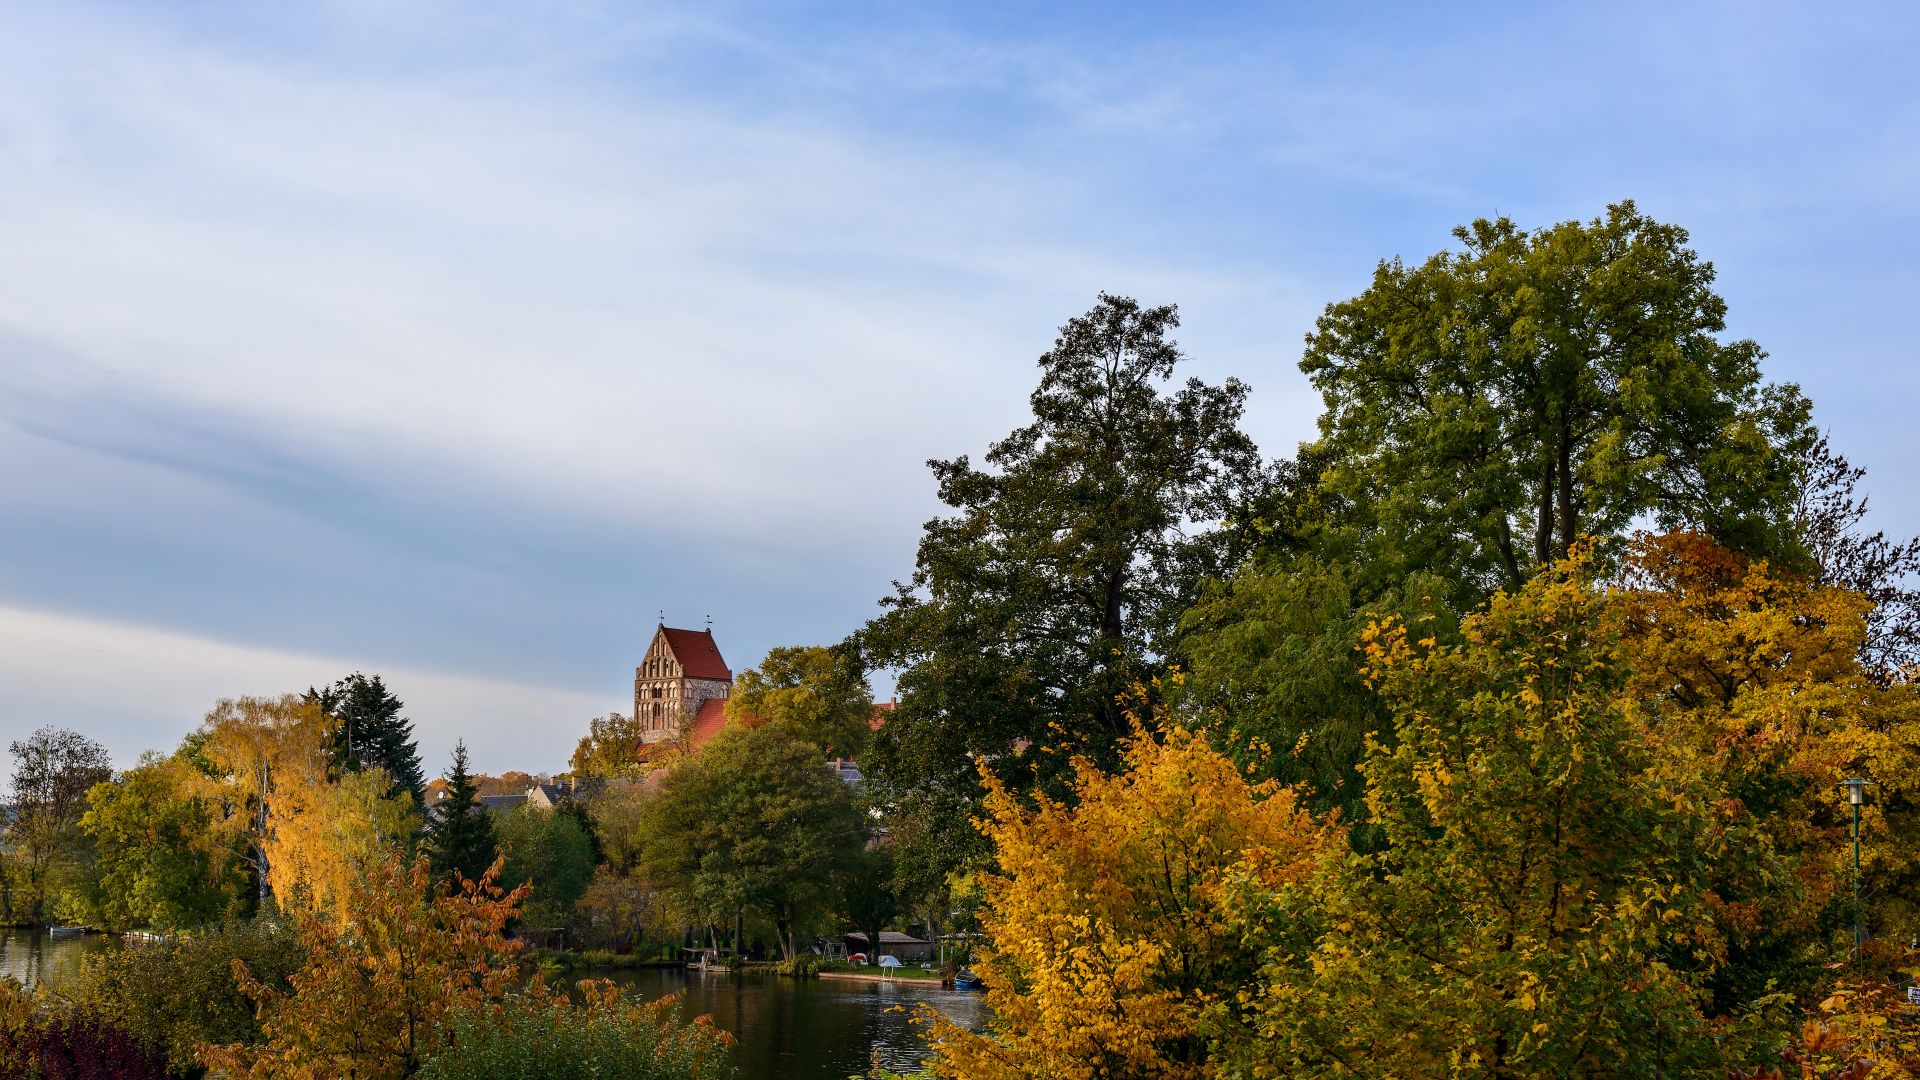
x=707, y=722
x=697, y=653
x=882, y=712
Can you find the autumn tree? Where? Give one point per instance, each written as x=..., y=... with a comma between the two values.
x=1490, y=406
x=53, y=769
x=1109, y=913
x=461, y=842
x=611, y=747
x=815, y=694
x=1541, y=904
x=377, y=985
x=755, y=823
x=324, y=837
x=369, y=731
x=257, y=753
x=1831, y=515
x=161, y=861
x=1058, y=577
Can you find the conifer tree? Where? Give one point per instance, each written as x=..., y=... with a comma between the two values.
x=370, y=732
x=461, y=838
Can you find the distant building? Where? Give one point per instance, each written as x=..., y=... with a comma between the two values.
x=901, y=946
x=501, y=804
x=547, y=796
x=680, y=686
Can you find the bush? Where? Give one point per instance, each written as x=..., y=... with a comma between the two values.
x=171, y=996
x=59, y=1041
x=533, y=1036
x=802, y=966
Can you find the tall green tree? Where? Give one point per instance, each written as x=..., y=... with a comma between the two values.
x=551, y=851
x=53, y=770
x=461, y=838
x=1490, y=406
x=161, y=862
x=1059, y=578
x=369, y=731
x=812, y=692
x=755, y=823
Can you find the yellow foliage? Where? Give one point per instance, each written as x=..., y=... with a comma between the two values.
x=1110, y=916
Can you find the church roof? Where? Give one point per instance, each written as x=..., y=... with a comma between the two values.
x=707, y=722
x=697, y=653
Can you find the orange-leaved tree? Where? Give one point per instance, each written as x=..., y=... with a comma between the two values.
x=1109, y=914
x=379, y=982
x=1749, y=680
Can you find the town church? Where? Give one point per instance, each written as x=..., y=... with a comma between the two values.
x=680, y=689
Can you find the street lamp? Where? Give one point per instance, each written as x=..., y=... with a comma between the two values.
x=1856, y=795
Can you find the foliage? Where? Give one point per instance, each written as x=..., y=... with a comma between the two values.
x=612, y=747
x=1110, y=915
x=1540, y=906
x=42, y=1040
x=1058, y=580
x=368, y=732
x=259, y=755
x=552, y=853
x=325, y=837
x=815, y=694
x=869, y=895
x=607, y=1037
x=376, y=986
x=617, y=911
x=1488, y=407
x=1829, y=516
x=460, y=838
x=754, y=823
x=160, y=863
x=615, y=807
x=175, y=995
x=1273, y=673
x=53, y=770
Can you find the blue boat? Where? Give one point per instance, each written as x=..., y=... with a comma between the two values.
x=965, y=979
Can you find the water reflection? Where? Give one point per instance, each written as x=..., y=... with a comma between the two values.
x=35, y=958
x=817, y=1029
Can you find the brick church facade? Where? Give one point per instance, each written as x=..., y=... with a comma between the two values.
x=680, y=688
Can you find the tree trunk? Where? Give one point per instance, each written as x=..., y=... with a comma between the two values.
x=1543, y=525
x=1569, y=519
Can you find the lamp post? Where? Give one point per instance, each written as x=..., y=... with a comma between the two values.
x=1856, y=795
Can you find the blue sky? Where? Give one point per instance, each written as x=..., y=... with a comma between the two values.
x=454, y=341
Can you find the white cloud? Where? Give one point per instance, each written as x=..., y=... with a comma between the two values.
x=135, y=688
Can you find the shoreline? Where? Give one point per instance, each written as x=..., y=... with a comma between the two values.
x=861, y=976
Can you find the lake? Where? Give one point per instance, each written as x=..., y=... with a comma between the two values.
x=810, y=1029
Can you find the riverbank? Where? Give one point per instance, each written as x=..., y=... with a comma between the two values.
x=876, y=977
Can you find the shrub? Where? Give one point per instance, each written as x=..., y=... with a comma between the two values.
x=802, y=966
x=534, y=1036
x=172, y=996
x=49, y=1041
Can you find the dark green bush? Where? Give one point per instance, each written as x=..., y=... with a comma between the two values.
x=175, y=994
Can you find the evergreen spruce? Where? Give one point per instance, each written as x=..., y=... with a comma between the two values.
x=369, y=731
x=461, y=837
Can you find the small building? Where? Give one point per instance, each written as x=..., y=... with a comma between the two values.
x=546, y=796
x=501, y=804
x=903, y=946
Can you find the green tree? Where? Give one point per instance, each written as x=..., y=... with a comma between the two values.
x=813, y=693
x=45, y=850
x=461, y=838
x=160, y=861
x=1541, y=906
x=551, y=851
x=1490, y=406
x=755, y=823
x=611, y=748
x=1059, y=578
x=369, y=731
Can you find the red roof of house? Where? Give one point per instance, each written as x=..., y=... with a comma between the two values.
x=697, y=653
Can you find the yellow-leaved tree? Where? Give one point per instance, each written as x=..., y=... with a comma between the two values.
x=1109, y=914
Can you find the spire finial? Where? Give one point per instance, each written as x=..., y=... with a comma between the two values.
x=709, y=624
x=663, y=616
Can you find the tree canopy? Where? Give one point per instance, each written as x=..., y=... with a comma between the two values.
x=369, y=731
x=811, y=692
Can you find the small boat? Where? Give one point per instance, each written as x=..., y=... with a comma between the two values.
x=965, y=979
x=65, y=931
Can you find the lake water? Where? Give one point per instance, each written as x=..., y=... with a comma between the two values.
x=815, y=1029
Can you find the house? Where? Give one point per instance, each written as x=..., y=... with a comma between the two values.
x=547, y=796
x=501, y=804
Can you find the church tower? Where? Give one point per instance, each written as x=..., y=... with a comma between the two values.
x=683, y=671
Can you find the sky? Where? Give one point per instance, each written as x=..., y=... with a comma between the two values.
x=459, y=342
